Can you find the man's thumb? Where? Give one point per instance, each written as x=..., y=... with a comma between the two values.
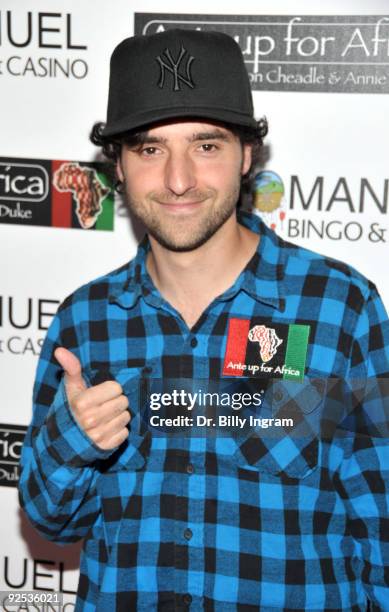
x=73, y=373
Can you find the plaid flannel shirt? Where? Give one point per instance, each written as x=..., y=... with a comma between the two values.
x=216, y=523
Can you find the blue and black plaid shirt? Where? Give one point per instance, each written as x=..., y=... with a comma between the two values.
x=217, y=523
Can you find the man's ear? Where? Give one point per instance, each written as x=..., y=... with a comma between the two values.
x=247, y=151
x=119, y=169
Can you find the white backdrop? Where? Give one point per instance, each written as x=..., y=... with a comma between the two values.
x=336, y=141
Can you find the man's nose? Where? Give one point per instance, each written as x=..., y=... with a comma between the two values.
x=179, y=173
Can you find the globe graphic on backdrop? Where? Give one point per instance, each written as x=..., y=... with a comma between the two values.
x=268, y=191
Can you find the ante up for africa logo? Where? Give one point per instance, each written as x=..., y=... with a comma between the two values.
x=268, y=196
x=56, y=193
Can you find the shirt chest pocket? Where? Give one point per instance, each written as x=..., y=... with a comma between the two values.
x=284, y=437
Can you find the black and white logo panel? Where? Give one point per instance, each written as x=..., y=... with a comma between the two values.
x=321, y=53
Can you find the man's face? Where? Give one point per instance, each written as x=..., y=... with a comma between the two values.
x=183, y=181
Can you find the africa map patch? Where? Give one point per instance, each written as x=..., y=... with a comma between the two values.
x=265, y=349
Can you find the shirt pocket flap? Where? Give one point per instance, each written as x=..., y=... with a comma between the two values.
x=284, y=437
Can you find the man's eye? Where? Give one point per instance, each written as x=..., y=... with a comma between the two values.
x=208, y=147
x=148, y=151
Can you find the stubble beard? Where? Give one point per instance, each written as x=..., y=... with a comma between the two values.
x=184, y=233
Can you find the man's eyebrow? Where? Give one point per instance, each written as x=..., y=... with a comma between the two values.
x=214, y=135
x=145, y=138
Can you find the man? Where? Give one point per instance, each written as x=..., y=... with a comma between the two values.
x=236, y=521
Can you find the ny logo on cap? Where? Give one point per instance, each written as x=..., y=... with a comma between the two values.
x=168, y=63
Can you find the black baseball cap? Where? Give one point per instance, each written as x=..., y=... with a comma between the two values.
x=177, y=73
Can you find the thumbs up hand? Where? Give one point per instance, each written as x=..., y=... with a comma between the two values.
x=101, y=410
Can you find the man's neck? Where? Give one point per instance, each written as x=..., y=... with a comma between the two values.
x=191, y=280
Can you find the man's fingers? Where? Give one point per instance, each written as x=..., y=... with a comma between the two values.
x=97, y=395
x=73, y=372
x=92, y=418
x=116, y=440
x=105, y=436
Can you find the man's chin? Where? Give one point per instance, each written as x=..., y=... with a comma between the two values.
x=181, y=246
x=183, y=235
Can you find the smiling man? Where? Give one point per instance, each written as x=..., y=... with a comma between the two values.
x=183, y=181
x=256, y=518
x=196, y=169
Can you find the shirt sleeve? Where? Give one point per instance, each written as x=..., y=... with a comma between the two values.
x=363, y=479
x=57, y=486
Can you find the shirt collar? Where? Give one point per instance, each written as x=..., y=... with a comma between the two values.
x=262, y=278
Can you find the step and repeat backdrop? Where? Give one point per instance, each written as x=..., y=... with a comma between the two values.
x=320, y=74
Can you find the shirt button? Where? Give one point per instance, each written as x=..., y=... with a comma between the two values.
x=278, y=396
x=188, y=533
x=147, y=370
x=193, y=342
x=187, y=598
x=190, y=468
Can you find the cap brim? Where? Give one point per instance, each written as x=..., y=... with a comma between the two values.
x=140, y=120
